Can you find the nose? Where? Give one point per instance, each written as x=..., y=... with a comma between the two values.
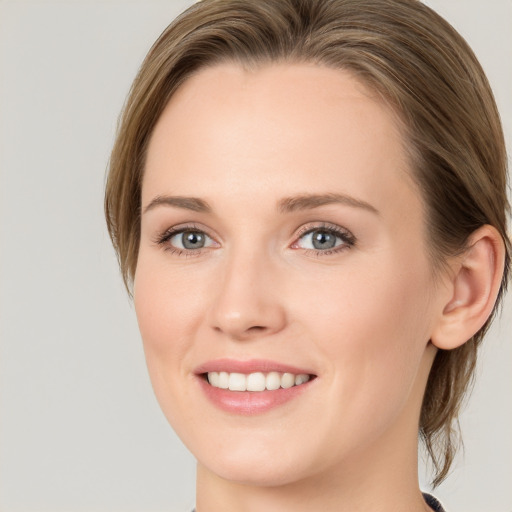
x=248, y=304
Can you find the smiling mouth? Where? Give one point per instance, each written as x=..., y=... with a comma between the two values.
x=257, y=381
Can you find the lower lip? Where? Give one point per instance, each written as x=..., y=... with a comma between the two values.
x=248, y=403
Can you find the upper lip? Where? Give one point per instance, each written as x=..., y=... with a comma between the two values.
x=249, y=366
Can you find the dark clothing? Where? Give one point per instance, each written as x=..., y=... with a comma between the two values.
x=433, y=503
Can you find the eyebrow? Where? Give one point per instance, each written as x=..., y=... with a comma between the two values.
x=311, y=201
x=188, y=203
x=286, y=205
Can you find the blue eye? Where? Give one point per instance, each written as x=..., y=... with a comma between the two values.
x=325, y=239
x=190, y=240
x=185, y=240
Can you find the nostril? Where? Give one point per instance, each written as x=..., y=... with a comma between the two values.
x=255, y=329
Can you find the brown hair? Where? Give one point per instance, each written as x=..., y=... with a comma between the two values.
x=403, y=51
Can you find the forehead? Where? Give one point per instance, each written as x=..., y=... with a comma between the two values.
x=288, y=128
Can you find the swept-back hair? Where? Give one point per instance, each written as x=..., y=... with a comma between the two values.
x=417, y=63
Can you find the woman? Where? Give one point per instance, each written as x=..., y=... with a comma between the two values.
x=308, y=201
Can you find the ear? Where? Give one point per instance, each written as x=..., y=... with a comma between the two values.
x=473, y=289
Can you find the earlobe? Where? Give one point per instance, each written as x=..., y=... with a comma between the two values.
x=474, y=287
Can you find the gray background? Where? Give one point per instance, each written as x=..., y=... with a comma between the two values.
x=80, y=429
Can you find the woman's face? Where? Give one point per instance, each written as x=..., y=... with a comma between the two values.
x=281, y=234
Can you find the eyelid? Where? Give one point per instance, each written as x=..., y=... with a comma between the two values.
x=163, y=237
x=349, y=240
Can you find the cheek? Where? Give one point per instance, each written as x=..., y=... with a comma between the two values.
x=373, y=331
x=165, y=304
x=166, y=307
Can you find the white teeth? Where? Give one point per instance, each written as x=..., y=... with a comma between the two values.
x=237, y=382
x=223, y=380
x=301, y=378
x=287, y=380
x=273, y=381
x=256, y=381
x=214, y=378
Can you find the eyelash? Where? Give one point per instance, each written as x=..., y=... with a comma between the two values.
x=164, y=238
x=347, y=238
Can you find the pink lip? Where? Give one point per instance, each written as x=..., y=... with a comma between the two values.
x=250, y=366
x=249, y=403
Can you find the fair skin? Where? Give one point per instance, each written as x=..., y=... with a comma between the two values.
x=339, y=286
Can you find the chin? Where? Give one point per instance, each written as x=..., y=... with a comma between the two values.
x=273, y=472
x=263, y=461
